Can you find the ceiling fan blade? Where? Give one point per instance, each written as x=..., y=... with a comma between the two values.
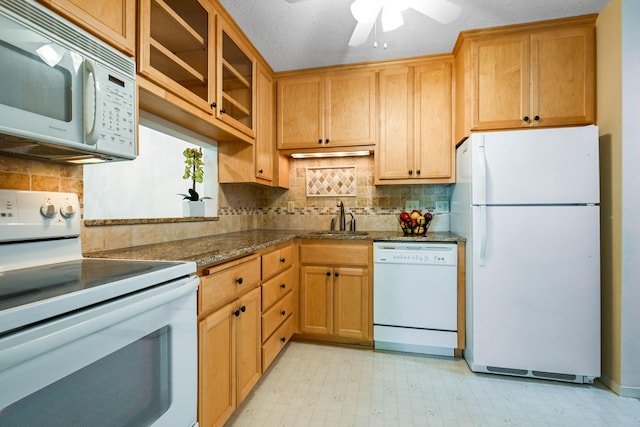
x=442, y=11
x=361, y=32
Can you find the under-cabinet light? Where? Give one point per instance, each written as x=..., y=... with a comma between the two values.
x=330, y=154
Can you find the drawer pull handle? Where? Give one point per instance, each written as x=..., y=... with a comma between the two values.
x=283, y=312
x=282, y=260
x=283, y=339
x=239, y=280
x=283, y=286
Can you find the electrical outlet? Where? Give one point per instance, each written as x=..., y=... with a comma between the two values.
x=442, y=206
x=410, y=205
x=291, y=206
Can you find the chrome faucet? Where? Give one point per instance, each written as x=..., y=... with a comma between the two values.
x=343, y=220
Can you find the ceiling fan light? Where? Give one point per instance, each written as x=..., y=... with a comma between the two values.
x=364, y=10
x=391, y=19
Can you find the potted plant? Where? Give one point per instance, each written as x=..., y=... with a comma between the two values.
x=193, y=204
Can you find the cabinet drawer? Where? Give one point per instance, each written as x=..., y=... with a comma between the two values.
x=276, y=288
x=335, y=253
x=227, y=281
x=273, y=317
x=277, y=261
x=272, y=347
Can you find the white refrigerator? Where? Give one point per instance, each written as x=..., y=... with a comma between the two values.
x=528, y=203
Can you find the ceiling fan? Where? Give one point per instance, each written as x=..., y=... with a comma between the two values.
x=366, y=13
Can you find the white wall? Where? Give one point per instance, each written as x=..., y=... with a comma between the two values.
x=631, y=196
x=148, y=186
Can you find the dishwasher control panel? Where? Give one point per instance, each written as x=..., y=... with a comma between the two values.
x=415, y=253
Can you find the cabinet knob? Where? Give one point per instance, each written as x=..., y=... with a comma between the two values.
x=417, y=171
x=282, y=313
x=526, y=119
x=236, y=313
x=243, y=309
x=222, y=111
x=213, y=105
x=326, y=141
x=283, y=339
x=536, y=118
x=260, y=171
x=283, y=286
x=320, y=141
x=239, y=280
x=328, y=273
x=336, y=274
x=283, y=260
x=410, y=172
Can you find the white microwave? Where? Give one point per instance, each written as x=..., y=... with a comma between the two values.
x=65, y=95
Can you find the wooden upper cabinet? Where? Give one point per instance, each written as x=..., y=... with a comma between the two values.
x=114, y=21
x=415, y=144
x=300, y=115
x=176, y=48
x=327, y=110
x=265, y=149
x=236, y=73
x=562, y=76
x=501, y=68
x=535, y=75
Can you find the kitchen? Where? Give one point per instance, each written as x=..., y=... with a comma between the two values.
x=242, y=207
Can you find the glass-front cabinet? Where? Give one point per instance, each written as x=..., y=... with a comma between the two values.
x=236, y=81
x=177, y=45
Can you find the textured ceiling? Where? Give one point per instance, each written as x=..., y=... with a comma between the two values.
x=314, y=33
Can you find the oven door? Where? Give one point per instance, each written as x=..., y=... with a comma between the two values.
x=128, y=362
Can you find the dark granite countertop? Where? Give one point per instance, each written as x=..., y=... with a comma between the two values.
x=213, y=249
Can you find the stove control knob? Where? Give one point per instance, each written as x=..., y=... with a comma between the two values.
x=67, y=211
x=48, y=210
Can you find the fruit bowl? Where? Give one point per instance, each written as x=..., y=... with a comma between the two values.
x=415, y=223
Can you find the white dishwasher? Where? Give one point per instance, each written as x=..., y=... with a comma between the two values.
x=415, y=297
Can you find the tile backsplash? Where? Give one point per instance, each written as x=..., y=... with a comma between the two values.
x=22, y=174
x=244, y=206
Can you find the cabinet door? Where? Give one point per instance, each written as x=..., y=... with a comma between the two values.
x=394, y=152
x=248, y=342
x=500, y=75
x=433, y=127
x=235, y=80
x=351, y=302
x=562, y=76
x=350, y=102
x=176, y=48
x=265, y=126
x=316, y=300
x=300, y=119
x=216, y=384
x=114, y=21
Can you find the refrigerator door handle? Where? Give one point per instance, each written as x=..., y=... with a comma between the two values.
x=483, y=236
x=480, y=166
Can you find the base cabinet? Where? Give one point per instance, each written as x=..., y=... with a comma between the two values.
x=335, y=291
x=230, y=358
x=229, y=338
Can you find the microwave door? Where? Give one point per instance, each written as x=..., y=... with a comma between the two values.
x=41, y=86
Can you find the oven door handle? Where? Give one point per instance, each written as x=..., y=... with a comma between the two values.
x=41, y=339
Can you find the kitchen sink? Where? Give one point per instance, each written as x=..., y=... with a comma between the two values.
x=339, y=233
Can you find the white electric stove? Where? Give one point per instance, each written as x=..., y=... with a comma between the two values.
x=89, y=341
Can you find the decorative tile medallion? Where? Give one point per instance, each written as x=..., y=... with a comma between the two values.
x=331, y=181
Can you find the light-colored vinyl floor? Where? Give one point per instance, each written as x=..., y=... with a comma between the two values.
x=321, y=385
